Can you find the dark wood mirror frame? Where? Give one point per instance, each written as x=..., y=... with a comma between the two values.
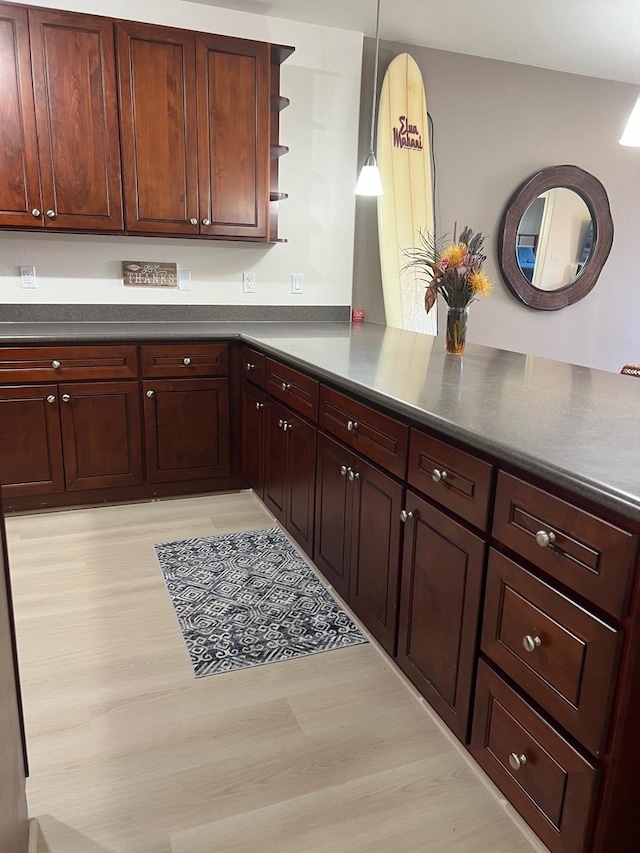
x=595, y=197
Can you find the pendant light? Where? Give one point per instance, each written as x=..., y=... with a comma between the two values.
x=631, y=135
x=369, y=182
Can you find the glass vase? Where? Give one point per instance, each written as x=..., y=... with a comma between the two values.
x=457, y=319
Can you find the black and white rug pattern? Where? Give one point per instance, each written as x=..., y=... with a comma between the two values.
x=246, y=599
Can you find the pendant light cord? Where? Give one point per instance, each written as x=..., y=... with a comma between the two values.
x=375, y=81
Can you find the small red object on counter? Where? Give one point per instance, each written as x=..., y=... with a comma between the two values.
x=357, y=315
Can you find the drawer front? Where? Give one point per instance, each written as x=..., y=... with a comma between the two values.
x=380, y=437
x=561, y=655
x=184, y=360
x=253, y=366
x=298, y=391
x=541, y=774
x=51, y=363
x=588, y=555
x=450, y=477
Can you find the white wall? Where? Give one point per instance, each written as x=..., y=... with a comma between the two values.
x=322, y=79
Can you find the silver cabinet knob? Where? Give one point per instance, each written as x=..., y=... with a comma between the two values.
x=286, y=386
x=405, y=516
x=438, y=476
x=517, y=761
x=259, y=405
x=352, y=426
x=51, y=398
x=353, y=475
x=344, y=470
x=66, y=398
x=37, y=213
x=531, y=643
x=186, y=361
x=250, y=366
x=280, y=423
x=56, y=364
x=150, y=393
x=545, y=539
x=287, y=426
x=193, y=220
x=51, y=214
x=206, y=222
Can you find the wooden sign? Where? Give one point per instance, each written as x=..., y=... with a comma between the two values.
x=149, y=274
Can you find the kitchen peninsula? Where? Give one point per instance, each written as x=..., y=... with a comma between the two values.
x=487, y=533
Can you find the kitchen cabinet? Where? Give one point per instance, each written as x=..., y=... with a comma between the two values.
x=101, y=437
x=357, y=544
x=441, y=589
x=195, y=118
x=186, y=424
x=253, y=419
x=290, y=470
x=20, y=198
x=60, y=149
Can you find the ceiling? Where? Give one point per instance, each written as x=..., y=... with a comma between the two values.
x=600, y=38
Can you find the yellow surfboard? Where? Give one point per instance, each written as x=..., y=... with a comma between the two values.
x=404, y=159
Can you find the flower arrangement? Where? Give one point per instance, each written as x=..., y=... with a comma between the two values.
x=455, y=272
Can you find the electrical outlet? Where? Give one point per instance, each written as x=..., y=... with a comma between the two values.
x=248, y=282
x=297, y=282
x=28, y=276
x=184, y=279
x=555, y=256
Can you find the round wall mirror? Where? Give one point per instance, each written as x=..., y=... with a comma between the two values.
x=556, y=235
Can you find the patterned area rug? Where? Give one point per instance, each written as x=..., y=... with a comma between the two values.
x=246, y=599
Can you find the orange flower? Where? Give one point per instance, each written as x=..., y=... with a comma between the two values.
x=480, y=283
x=455, y=254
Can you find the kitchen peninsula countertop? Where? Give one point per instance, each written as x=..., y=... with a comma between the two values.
x=573, y=426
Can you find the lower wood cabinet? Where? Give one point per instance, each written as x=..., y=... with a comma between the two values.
x=186, y=423
x=101, y=439
x=69, y=436
x=441, y=588
x=30, y=441
x=358, y=536
x=548, y=781
x=253, y=418
x=290, y=471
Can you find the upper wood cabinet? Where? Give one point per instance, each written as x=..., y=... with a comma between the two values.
x=157, y=80
x=195, y=132
x=20, y=199
x=233, y=136
x=74, y=85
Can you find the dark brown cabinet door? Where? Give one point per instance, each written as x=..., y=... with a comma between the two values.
x=30, y=441
x=74, y=83
x=233, y=136
x=187, y=429
x=253, y=418
x=442, y=573
x=301, y=468
x=333, y=512
x=276, y=476
x=157, y=80
x=20, y=200
x=101, y=434
x=375, y=551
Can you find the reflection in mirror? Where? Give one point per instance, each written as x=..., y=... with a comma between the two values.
x=554, y=239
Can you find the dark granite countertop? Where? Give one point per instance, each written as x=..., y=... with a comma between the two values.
x=574, y=426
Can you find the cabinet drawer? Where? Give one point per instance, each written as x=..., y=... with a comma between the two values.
x=590, y=556
x=297, y=390
x=381, y=438
x=450, y=477
x=46, y=364
x=549, y=782
x=563, y=657
x=184, y=360
x=253, y=366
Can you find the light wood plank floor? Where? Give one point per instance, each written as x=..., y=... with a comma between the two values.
x=130, y=754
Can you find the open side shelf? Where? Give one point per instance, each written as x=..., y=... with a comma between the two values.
x=278, y=196
x=279, y=103
x=279, y=150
